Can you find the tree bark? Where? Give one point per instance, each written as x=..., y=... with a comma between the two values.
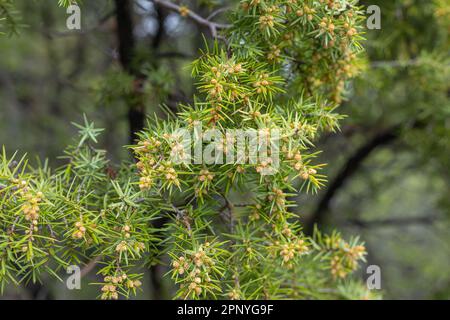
x=136, y=105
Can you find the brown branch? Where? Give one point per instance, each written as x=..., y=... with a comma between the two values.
x=229, y=207
x=353, y=164
x=212, y=26
x=91, y=265
x=347, y=171
x=217, y=12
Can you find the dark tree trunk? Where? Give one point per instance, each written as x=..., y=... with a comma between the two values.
x=136, y=105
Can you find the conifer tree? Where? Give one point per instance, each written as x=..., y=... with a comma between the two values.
x=223, y=231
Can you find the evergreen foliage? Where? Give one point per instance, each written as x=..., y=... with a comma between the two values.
x=279, y=64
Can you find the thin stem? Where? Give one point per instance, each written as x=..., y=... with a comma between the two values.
x=217, y=12
x=88, y=268
x=212, y=26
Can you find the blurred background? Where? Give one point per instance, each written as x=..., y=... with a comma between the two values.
x=388, y=168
